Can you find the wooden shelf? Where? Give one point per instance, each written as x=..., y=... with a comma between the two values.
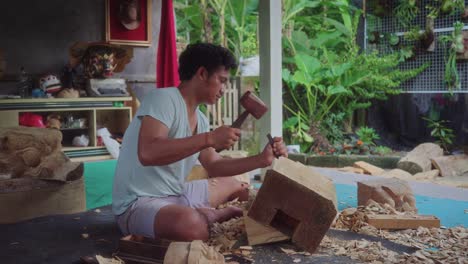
x=98, y=111
x=81, y=148
x=65, y=100
x=71, y=128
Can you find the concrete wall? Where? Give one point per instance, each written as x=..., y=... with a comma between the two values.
x=36, y=34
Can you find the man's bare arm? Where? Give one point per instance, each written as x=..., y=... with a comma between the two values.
x=156, y=149
x=217, y=166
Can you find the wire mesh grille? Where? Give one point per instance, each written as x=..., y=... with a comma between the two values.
x=432, y=79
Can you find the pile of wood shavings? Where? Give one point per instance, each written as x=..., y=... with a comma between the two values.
x=224, y=235
x=436, y=245
x=355, y=218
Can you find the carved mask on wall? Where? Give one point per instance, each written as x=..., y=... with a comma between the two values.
x=99, y=62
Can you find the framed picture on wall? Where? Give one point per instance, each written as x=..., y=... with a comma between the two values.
x=128, y=22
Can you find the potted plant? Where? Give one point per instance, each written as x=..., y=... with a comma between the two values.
x=373, y=37
x=393, y=39
x=427, y=39
x=379, y=8
x=451, y=76
x=464, y=16
x=449, y=7
x=406, y=11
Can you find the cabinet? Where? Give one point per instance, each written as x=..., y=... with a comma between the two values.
x=92, y=113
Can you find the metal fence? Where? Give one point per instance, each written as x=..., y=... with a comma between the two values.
x=432, y=79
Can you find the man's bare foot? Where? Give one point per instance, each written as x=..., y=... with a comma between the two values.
x=242, y=194
x=220, y=215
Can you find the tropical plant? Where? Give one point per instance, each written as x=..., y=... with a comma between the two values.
x=451, y=76
x=327, y=74
x=406, y=11
x=230, y=23
x=367, y=135
x=382, y=150
x=451, y=6
x=393, y=39
x=443, y=135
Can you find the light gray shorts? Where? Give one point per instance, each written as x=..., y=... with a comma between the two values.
x=138, y=219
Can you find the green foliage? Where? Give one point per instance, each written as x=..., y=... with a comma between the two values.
x=406, y=11
x=451, y=6
x=414, y=34
x=382, y=150
x=444, y=136
x=367, y=135
x=325, y=74
x=355, y=146
x=331, y=127
x=451, y=76
x=231, y=23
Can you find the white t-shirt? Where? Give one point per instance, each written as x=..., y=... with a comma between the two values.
x=132, y=179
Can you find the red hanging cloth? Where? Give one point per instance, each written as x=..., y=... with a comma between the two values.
x=166, y=62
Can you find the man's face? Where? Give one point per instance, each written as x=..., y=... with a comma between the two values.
x=215, y=85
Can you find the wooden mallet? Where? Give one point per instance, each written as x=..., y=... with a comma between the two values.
x=254, y=106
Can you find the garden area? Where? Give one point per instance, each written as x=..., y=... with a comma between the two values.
x=370, y=78
x=375, y=93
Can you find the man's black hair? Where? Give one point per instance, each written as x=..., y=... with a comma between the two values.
x=206, y=55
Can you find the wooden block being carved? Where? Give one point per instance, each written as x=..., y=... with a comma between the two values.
x=419, y=159
x=260, y=234
x=395, y=192
x=297, y=201
x=395, y=222
x=368, y=168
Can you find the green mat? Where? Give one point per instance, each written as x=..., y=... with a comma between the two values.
x=99, y=176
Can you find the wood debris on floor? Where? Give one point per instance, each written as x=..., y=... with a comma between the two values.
x=431, y=245
x=435, y=245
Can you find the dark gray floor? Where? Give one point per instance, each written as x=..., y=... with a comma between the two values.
x=58, y=240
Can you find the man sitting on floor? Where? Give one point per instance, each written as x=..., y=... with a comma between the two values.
x=151, y=197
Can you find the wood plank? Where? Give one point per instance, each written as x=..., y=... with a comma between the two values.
x=368, y=168
x=91, y=158
x=133, y=248
x=402, y=221
x=258, y=234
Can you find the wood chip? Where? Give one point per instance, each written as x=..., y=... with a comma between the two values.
x=246, y=247
x=103, y=260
